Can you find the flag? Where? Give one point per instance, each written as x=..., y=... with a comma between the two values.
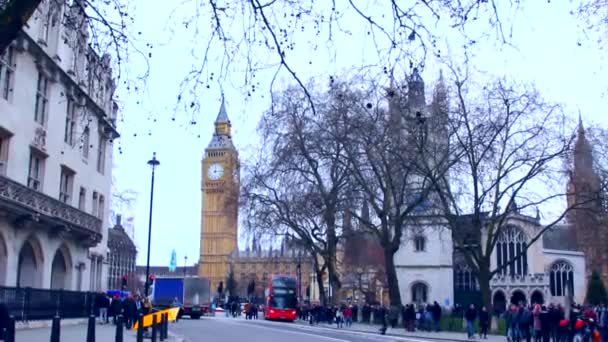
x=173, y=263
x=130, y=219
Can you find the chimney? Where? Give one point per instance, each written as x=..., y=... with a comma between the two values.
x=118, y=219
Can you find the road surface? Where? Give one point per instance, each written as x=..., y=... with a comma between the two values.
x=239, y=330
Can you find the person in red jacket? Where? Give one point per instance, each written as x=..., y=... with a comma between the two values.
x=348, y=316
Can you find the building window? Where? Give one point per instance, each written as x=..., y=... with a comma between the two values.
x=419, y=293
x=86, y=140
x=42, y=99
x=4, y=141
x=95, y=203
x=7, y=72
x=512, y=245
x=465, y=278
x=36, y=170
x=101, y=207
x=101, y=154
x=66, y=184
x=419, y=243
x=82, y=199
x=70, y=122
x=561, y=279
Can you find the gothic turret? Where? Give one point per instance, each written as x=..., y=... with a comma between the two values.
x=415, y=86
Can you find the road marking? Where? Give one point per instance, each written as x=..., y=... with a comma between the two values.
x=291, y=332
x=370, y=335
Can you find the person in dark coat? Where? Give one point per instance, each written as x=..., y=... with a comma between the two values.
x=4, y=321
x=436, y=311
x=471, y=315
x=115, y=308
x=484, y=322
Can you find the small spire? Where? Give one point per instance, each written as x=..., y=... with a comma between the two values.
x=537, y=214
x=581, y=127
x=222, y=116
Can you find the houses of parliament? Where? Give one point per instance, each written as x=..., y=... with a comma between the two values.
x=219, y=253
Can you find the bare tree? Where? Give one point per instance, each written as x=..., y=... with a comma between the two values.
x=389, y=126
x=508, y=146
x=91, y=28
x=265, y=36
x=301, y=176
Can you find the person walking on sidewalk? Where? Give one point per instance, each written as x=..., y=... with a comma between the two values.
x=484, y=323
x=471, y=316
x=4, y=321
x=348, y=316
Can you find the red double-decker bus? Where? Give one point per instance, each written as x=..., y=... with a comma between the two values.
x=281, y=298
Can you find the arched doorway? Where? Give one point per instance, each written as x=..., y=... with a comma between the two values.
x=518, y=297
x=537, y=298
x=29, y=269
x=419, y=293
x=60, y=269
x=499, y=302
x=3, y=260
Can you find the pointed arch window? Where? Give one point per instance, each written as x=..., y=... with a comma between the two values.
x=465, y=279
x=512, y=245
x=561, y=278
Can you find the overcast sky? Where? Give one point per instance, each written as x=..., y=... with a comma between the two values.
x=546, y=53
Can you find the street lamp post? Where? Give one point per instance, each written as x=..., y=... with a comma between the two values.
x=153, y=164
x=185, y=263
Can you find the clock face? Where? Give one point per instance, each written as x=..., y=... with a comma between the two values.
x=215, y=171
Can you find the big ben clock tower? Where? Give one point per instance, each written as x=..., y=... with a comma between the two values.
x=220, y=190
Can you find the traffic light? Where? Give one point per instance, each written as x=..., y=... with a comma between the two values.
x=124, y=282
x=151, y=280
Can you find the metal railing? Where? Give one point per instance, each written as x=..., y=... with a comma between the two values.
x=28, y=304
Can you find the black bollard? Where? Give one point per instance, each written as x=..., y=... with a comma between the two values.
x=161, y=328
x=91, y=329
x=56, y=329
x=119, y=329
x=166, y=326
x=10, y=330
x=154, y=328
x=140, y=328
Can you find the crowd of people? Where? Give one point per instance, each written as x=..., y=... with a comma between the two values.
x=129, y=307
x=538, y=323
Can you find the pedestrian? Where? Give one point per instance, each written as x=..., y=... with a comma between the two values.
x=348, y=316
x=4, y=321
x=436, y=311
x=484, y=322
x=339, y=317
x=382, y=316
x=471, y=316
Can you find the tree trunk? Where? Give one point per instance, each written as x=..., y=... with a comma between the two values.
x=12, y=18
x=486, y=292
x=391, y=277
x=319, y=278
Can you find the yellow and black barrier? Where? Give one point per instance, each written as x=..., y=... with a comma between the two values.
x=150, y=318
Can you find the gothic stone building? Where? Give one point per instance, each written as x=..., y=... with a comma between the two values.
x=57, y=123
x=589, y=218
x=430, y=268
x=121, y=258
x=258, y=264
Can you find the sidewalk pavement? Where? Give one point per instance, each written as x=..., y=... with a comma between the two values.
x=442, y=335
x=78, y=333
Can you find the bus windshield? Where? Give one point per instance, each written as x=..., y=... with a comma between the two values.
x=283, y=299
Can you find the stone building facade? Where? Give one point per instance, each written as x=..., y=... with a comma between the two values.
x=257, y=264
x=57, y=125
x=220, y=187
x=121, y=258
x=589, y=219
x=430, y=267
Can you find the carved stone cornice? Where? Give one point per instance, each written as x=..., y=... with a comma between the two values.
x=31, y=205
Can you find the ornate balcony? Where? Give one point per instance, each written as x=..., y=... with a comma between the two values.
x=28, y=205
x=536, y=279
